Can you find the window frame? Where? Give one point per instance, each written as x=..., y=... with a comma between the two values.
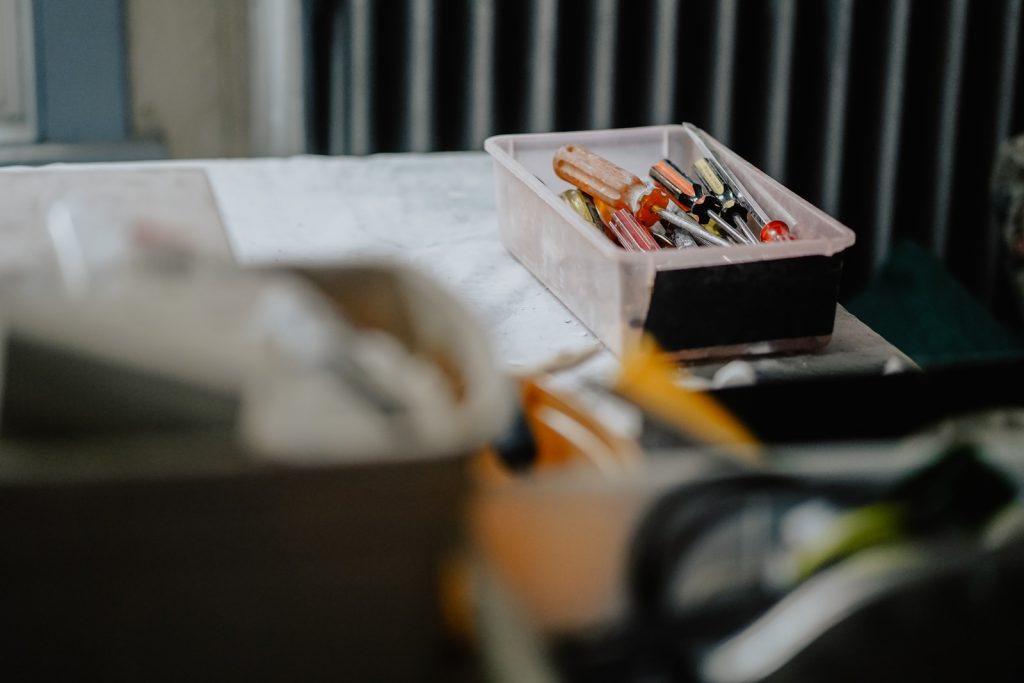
x=19, y=122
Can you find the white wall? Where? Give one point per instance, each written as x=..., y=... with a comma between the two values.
x=189, y=66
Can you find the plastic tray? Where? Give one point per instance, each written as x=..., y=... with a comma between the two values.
x=698, y=302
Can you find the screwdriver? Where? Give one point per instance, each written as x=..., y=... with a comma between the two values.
x=577, y=200
x=669, y=236
x=631, y=233
x=684, y=192
x=695, y=229
x=583, y=205
x=737, y=188
x=692, y=199
x=680, y=238
x=778, y=230
x=613, y=185
x=737, y=236
x=676, y=238
x=741, y=206
x=680, y=188
x=660, y=236
x=715, y=180
x=666, y=234
x=754, y=210
x=603, y=210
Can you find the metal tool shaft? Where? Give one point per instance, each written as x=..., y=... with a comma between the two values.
x=693, y=228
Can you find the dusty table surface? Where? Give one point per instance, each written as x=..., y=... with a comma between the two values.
x=436, y=212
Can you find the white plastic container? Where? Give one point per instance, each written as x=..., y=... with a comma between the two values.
x=698, y=302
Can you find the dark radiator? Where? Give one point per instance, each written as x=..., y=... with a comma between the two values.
x=885, y=114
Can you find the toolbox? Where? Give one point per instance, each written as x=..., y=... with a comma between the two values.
x=697, y=302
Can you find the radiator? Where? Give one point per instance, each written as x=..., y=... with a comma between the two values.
x=885, y=114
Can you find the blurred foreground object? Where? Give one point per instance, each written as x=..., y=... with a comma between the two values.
x=305, y=382
x=362, y=360
x=553, y=432
x=257, y=471
x=649, y=380
x=885, y=561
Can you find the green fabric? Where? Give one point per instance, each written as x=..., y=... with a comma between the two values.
x=917, y=306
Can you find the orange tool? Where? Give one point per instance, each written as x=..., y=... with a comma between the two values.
x=680, y=188
x=611, y=184
x=551, y=433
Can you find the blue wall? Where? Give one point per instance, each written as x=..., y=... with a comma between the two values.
x=82, y=70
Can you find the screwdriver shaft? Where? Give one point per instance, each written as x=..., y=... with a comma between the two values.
x=745, y=229
x=693, y=228
x=729, y=229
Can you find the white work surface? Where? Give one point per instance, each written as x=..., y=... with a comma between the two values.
x=437, y=212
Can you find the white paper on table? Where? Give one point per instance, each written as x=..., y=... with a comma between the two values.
x=111, y=212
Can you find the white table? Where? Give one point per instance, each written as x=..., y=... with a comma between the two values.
x=437, y=212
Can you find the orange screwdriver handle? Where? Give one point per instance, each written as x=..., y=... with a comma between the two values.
x=612, y=184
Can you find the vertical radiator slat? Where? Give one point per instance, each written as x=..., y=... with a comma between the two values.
x=602, y=72
x=779, y=87
x=956, y=37
x=892, y=115
x=420, y=84
x=722, y=70
x=361, y=77
x=1001, y=130
x=480, y=101
x=1007, y=71
x=337, y=103
x=541, y=113
x=663, y=59
x=840, y=31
